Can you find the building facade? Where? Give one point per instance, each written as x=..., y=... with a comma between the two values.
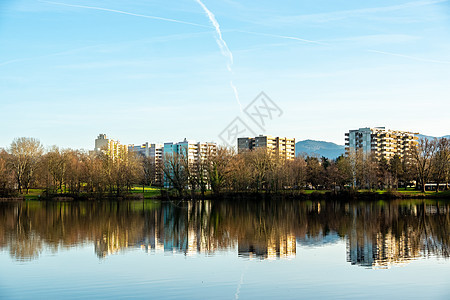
x=152, y=152
x=280, y=146
x=147, y=150
x=379, y=141
x=193, y=152
x=110, y=147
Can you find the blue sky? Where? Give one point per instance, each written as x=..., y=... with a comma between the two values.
x=158, y=71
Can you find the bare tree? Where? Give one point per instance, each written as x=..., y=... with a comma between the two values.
x=175, y=172
x=148, y=171
x=395, y=169
x=218, y=168
x=345, y=171
x=53, y=169
x=130, y=170
x=297, y=173
x=240, y=176
x=422, y=156
x=6, y=178
x=314, y=171
x=383, y=173
x=261, y=163
x=25, y=154
x=441, y=162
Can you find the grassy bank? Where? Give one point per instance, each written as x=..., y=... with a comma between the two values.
x=149, y=192
x=137, y=192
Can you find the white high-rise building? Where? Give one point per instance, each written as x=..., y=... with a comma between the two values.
x=154, y=153
x=381, y=142
x=111, y=147
x=194, y=152
x=282, y=147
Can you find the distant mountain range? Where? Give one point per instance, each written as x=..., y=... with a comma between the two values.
x=331, y=150
x=318, y=148
x=422, y=136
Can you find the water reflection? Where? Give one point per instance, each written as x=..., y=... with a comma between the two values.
x=377, y=234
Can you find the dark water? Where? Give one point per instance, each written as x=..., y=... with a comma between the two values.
x=225, y=250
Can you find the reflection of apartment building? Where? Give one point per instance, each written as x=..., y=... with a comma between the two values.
x=111, y=242
x=152, y=152
x=191, y=152
x=381, y=142
x=283, y=246
x=111, y=147
x=280, y=146
x=381, y=250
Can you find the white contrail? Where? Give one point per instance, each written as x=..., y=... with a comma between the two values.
x=44, y=56
x=236, y=94
x=220, y=41
x=13, y=61
x=125, y=13
x=285, y=37
x=223, y=47
x=411, y=57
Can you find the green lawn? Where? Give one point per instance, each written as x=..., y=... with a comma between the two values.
x=153, y=192
x=315, y=191
x=413, y=192
x=408, y=192
x=149, y=191
x=33, y=194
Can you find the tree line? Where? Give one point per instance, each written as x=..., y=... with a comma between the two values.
x=25, y=164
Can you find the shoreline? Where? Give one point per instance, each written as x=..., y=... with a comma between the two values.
x=300, y=195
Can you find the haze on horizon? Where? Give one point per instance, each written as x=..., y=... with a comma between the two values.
x=147, y=71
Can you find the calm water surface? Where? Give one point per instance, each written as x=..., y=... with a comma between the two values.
x=225, y=250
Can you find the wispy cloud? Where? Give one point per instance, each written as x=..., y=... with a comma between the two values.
x=69, y=51
x=284, y=37
x=376, y=39
x=223, y=48
x=339, y=15
x=125, y=13
x=411, y=57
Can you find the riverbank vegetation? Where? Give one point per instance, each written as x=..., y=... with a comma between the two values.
x=25, y=167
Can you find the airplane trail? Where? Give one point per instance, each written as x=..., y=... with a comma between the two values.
x=411, y=57
x=44, y=56
x=285, y=37
x=236, y=94
x=126, y=13
x=223, y=47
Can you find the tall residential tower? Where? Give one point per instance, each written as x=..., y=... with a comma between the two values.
x=280, y=146
x=111, y=147
x=382, y=142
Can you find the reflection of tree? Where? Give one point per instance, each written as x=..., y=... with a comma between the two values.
x=378, y=233
x=396, y=232
x=25, y=246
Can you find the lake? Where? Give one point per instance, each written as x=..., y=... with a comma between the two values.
x=225, y=250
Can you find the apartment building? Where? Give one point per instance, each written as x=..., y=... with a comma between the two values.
x=382, y=142
x=154, y=152
x=147, y=150
x=280, y=146
x=111, y=147
x=193, y=151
